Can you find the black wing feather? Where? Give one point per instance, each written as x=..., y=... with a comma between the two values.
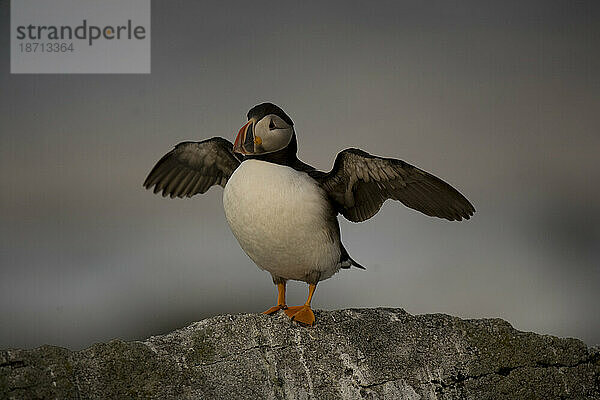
x=193, y=167
x=360, y=183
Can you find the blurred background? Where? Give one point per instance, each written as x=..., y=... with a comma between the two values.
x=501, y=99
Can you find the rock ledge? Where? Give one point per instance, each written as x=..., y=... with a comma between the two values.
x=350, y=354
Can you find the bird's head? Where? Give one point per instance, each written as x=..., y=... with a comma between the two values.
x=269, y=129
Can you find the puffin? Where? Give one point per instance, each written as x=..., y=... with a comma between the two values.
x=284, y=212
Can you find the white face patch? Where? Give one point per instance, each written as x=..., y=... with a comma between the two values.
x=271, y=133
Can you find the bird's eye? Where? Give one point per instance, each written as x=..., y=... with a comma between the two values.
x=272, y=125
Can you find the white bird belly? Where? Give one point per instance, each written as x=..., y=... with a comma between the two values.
x=283, y=221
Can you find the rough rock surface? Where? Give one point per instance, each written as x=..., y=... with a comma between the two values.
x=350, y=354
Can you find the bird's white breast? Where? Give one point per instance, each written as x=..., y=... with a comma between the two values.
x=282, y=220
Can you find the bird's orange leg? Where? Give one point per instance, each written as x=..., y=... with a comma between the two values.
x=303, y=314
x=280, y=300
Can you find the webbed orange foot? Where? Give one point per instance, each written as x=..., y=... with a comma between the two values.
x=290, y=311
x=303, y=314
x=275, y=309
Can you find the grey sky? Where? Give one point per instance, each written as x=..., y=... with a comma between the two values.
x=501, y=99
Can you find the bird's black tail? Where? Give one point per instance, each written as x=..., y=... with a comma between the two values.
x=346, y=261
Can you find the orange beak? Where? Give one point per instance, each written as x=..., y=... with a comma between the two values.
x=243, y=139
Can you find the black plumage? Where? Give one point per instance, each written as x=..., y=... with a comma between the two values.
x=359, y=183
x=193, y=167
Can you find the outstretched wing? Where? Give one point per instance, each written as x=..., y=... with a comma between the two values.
x=359, y=183
x=193, y=167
